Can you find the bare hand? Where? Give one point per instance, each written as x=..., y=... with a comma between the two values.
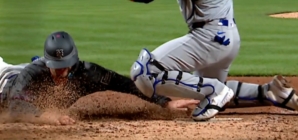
x=181, y=104
x=55, y=118
x=65, y=120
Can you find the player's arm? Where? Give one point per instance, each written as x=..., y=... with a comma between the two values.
x=20, y=97
x=116, y=82
x=124, y=84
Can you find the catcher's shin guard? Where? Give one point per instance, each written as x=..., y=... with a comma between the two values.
x=181, y=84
x=277, y=92
x=167, y=83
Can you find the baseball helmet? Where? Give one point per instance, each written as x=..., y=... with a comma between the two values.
x=60, y=50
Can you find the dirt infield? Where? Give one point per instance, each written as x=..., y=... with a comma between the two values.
x=127, y=117
x=285, y=15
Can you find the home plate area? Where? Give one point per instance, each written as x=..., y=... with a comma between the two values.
x=112, y=115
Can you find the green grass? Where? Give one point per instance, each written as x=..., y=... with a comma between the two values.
x=109, y=29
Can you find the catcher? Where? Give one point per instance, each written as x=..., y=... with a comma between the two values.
x=196, y=65
x=28, y=87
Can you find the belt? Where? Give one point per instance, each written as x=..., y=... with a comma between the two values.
x=224, y=22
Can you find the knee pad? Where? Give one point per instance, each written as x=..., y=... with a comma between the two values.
x=141, y=75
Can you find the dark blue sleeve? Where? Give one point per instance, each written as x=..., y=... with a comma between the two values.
x=110, y=80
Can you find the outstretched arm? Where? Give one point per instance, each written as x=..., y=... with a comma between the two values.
x=19, y=96
x=102, y=77
x=124, y=84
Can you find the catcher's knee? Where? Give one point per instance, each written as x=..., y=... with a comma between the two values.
x=163, y=82
x=141, y=75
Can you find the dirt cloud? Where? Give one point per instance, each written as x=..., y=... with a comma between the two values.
x=120, y=105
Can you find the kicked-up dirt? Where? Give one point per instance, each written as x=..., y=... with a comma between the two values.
x=121, y=116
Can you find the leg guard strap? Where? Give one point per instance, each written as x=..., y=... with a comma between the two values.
x=157, y=64
x=236, y=98
x=215, y=107
x=200, y=84
x=261, y=94
x=179, y=77
x=285, y=102
x=164, y=77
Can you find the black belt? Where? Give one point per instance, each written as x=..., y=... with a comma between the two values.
x=224, y=22
x=198, y=24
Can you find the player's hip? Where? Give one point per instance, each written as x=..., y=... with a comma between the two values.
x=214, y=24
x=220, y=38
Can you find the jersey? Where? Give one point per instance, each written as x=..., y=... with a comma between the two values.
x=205, y=10
x=34, y=85
x=8, y=73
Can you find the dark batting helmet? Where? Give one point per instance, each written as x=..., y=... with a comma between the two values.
x=60, y=51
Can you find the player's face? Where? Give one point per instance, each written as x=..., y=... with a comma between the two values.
x=59, y=75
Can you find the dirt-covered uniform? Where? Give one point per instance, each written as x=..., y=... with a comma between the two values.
x=34, y=83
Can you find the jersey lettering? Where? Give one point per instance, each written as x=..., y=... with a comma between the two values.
x=106, y=78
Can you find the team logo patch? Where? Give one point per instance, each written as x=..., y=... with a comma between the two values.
x=59, y=53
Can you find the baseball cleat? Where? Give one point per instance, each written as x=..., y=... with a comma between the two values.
x=209, y=107
x=281, y=94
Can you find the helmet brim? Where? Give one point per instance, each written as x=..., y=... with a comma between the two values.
x=61, y=63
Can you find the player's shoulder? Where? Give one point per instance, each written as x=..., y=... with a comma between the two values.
x=37, y=65
x=40, y=62
x=90, y=65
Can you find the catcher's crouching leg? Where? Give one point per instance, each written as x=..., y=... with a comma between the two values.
x=149, y=80
x=277, y=92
